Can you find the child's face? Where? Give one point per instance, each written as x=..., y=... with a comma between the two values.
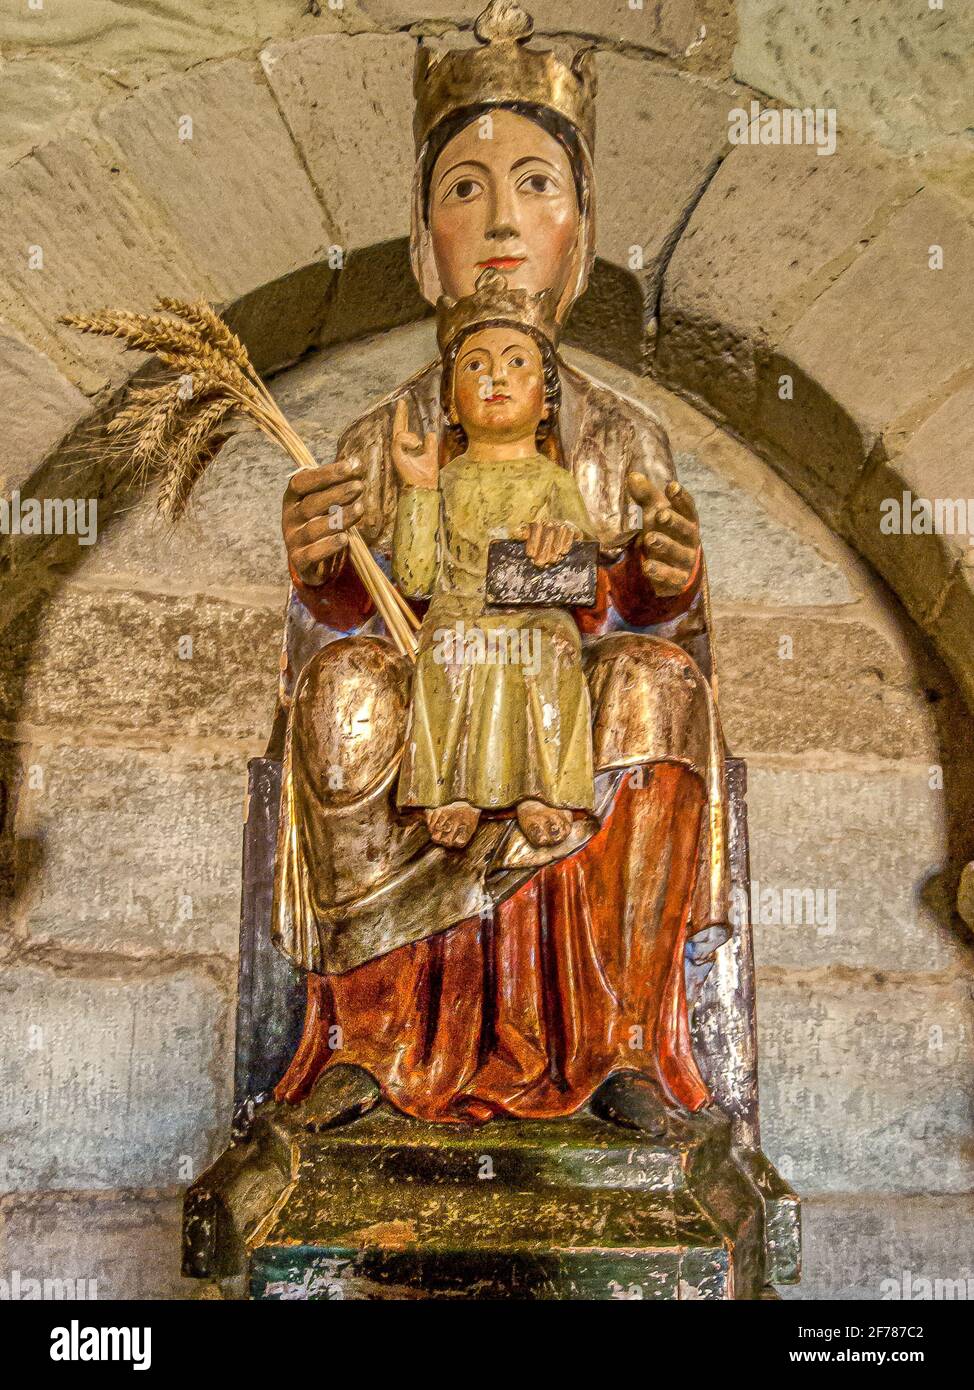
x=498, y=385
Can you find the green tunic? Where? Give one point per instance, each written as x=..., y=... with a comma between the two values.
x=500, y=705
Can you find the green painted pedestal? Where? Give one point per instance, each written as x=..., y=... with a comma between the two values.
x=387, y=1207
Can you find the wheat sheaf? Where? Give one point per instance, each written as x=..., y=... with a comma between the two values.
x=173, y=431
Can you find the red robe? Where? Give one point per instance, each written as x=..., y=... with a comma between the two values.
x=579, y=974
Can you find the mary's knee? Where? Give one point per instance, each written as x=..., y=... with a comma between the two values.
x=348, y=716
x=649, y=700
x=637, y=663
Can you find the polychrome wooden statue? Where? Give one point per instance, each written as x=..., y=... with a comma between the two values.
x=392, y=926
x=497, y=881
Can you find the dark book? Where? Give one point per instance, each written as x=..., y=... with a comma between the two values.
x=515, y=580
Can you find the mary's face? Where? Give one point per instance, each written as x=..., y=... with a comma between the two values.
x=508, y=202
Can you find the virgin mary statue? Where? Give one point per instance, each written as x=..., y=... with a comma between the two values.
x=502, y=978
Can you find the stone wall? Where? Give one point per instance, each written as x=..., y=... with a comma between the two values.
x=124, y=745
x=894, y=70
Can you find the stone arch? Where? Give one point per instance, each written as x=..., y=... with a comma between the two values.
x=754, y=263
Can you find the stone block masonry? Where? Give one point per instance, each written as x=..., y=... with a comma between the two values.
x=139, y=674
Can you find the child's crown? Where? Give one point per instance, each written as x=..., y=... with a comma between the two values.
x=494, y=300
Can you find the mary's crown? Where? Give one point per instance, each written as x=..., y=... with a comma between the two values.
x=501, y=70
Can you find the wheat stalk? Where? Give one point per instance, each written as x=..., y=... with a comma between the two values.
x=172, y=431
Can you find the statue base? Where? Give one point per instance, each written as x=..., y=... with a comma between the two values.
x=391, y=1208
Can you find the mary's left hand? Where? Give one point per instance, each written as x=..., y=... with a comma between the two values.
x=669, y=543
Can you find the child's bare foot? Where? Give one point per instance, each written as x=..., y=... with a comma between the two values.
x=543, y=825
x=453, y=826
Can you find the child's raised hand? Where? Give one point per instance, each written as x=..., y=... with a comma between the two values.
x=417, y=461
x=547, y=541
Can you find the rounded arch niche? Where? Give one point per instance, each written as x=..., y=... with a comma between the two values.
x=124, y=746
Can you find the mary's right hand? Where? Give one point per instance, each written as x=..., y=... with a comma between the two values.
x=320, y=505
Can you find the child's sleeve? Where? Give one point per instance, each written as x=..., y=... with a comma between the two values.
x=565, y=504
x=416, y=541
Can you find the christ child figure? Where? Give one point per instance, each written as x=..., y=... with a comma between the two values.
x=500, y=719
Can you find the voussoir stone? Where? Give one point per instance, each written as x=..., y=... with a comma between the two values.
x=952, y=628
x=865, y=1080
x=133, y=853
x=211, y=149
x=674, y=130
x=111, y=1082
x=42, y=407
x=934, y=466
x=775, y=226
x=893, y=68
x=281, y=320
x=965, y=894
x=912, y=339
x=129, y=43
x=348, y=103
x=662, y=26
x=43, y=96
x=76, y=234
